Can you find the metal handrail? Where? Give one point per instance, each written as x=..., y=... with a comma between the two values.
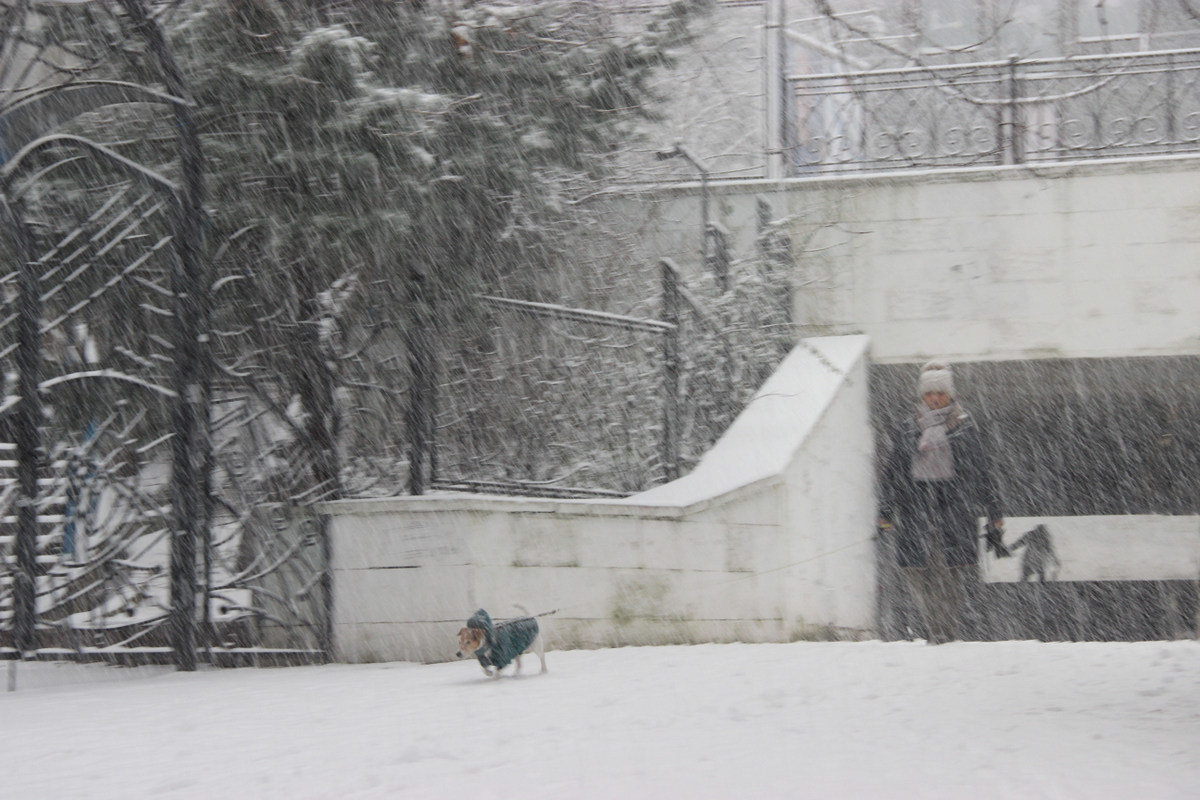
x=1003, y=64
x=998, y=112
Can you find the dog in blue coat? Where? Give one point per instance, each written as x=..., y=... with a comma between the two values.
x=496, y=645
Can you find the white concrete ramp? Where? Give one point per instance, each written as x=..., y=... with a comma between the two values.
x=770, y=432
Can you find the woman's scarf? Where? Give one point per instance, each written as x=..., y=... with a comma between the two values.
x=934, y=460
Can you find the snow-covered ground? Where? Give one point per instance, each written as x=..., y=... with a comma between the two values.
x=821, y=720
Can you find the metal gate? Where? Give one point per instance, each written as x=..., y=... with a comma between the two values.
x=135, y=521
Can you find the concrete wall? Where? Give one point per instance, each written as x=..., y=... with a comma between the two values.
x=768, y=539
x=1079, y=260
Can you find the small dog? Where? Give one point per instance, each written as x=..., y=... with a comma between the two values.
x=496, y=645
x=1039, y=556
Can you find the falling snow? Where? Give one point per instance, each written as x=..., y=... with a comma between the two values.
x=349, y=162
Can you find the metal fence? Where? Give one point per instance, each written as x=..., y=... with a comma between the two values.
x=124, y=533
x=548, y=400
x=999, y=112
x=543, y=399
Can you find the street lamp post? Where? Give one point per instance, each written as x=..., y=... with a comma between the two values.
x=706, y=230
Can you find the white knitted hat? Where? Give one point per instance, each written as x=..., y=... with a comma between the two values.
x=936, y=376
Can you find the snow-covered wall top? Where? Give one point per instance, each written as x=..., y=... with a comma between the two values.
x=1080, y=260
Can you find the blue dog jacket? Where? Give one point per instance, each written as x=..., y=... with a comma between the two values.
x=504, y=642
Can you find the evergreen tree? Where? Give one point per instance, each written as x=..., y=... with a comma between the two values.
x=352, y=144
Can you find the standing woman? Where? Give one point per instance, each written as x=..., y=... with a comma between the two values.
x=935, y=484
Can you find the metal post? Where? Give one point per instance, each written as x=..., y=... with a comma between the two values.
x=1013, y=152
x=1169, y=105
x=775, y=262
x=718, y=258
x=26, y=432
x=671, y=346
x=431, y=425
x=420, y=362
x=775, y=49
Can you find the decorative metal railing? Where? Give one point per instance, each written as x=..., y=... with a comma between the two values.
x=999, y=112
x=143, y=511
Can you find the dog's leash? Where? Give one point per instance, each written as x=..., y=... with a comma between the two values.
x=528, y=616
x=543, y=614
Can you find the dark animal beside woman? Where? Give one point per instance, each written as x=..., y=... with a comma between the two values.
x=1039, y=557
